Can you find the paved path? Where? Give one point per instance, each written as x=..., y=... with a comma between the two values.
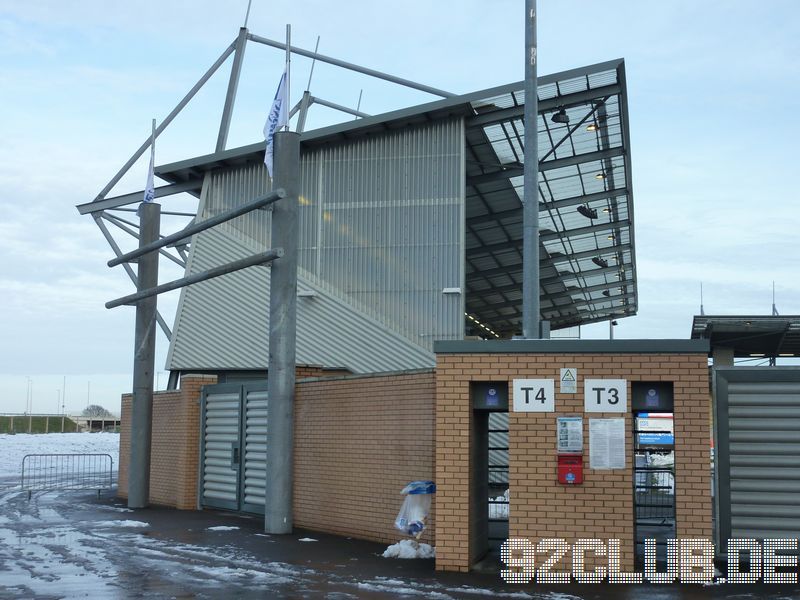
x=74, y=545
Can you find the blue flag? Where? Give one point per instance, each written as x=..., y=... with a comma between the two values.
x=278, y=117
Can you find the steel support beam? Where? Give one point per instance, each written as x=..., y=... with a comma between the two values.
x=548, y=165
x=269, y=198
x=562, y=275
x=231, y=267
x=531, y=327
x=163, y=125
x=305, y=102
x=545, y=106
x=136, y=197
x=545, y=206
x=502, y=289
x=548, y=305
x=132, y=233
x=339, y=107
x=143, y=364
x=278, y=518
x=351, y=67
x=129, y=270
x=233, y=85
x=547, y=235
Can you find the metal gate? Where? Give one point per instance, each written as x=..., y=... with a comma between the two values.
x=498, y=478
x=757, y=442
x=233, y=449
x=654, y=483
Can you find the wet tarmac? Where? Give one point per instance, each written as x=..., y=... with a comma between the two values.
x=79, y=545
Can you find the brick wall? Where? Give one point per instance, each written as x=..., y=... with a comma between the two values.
x=358, y=442
x=306, y=371
x=602, y=507
x=174, y=450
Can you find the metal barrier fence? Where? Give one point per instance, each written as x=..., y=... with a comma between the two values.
x=56, y=472
x=654, y=501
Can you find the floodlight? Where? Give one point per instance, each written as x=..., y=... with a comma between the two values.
x=560, y=117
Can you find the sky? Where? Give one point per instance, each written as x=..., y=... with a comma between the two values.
x=712, y=87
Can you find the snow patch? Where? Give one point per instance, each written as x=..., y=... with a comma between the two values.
x=13, y=447
x=222, y=528
x=307, y=540
x=122, y=523
x=113, y=508
x=409, y=549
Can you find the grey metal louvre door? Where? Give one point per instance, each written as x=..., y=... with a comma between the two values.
x=254, y=464
x=220, y=446
x=758, y=452
x=234, y=446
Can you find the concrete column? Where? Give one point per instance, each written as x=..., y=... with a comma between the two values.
x=282, y=329
x=143, y=362
x=721, y=356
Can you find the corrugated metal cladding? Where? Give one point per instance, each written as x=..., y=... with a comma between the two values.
x=758, y=446
x=222, y=323
x=381, y=236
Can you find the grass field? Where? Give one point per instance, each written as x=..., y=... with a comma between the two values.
x=25, y=424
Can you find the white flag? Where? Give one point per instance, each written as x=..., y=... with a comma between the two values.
x=278, y=117
x=149, y=188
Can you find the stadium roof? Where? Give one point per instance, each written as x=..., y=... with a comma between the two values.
x=768, y=336
x=588, y=267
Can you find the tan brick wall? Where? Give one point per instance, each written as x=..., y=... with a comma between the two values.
x=174, y=450
x=306, y=371
x=601, y=507
x=358, y=441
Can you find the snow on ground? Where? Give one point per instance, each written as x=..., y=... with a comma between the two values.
x=124, y=523
x=222, y=528
x=409, y=549
x=13, y=447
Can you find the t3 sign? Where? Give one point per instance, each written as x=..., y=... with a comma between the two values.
x=605, y=395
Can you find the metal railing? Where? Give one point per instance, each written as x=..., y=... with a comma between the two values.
x=654, y=501
x=57, y=472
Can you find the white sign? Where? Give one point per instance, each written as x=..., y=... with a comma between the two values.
x=569, y=381
x=606, y=443
x=534, y=395
x=605, y=395
x=570, y=434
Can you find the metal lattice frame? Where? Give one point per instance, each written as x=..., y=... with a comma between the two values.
x=587, y=264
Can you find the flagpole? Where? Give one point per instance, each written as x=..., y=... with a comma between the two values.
x=247, y=14
x=288, y=69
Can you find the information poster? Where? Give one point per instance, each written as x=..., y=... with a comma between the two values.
x=607, y=443
x=570, y=434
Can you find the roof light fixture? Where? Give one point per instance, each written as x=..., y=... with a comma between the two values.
x=560, y=117
x=600, y=262
x=600, y=176
x=606, y=293
x=592, y=127
x=586, y=211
